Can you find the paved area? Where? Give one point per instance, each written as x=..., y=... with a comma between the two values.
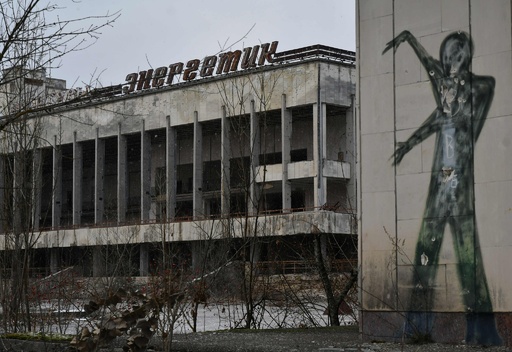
x=304, y=340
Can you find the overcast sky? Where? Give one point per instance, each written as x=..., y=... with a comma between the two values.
x=153, y=33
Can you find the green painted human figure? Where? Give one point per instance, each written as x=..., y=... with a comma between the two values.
x=462, y=100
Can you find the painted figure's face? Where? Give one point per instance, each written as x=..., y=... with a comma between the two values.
x=455, y=54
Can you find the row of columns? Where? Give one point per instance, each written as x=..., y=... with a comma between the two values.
x=319, y=151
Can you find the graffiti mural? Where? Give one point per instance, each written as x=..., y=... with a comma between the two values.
x=462, y=101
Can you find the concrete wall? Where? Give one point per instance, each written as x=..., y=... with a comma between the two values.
x=435, y=177
x=180, y=102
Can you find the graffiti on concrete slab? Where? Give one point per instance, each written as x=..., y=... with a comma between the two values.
x=462, y=102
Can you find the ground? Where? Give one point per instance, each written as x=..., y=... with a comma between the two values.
x=297, y=340
x=302, y=340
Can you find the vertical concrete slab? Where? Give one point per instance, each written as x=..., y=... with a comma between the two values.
x=17, y=186
x=122, y=176
x=286, y=134
x=98, y=262
x=170, y=170
x=319, y=150
x=145, y=173
x=255, y=160
x=77, y=180
x=99, y=178
x=57, y=184
x=144, y=259
x=3, y=218
x=54, y=260
x=197, y=182
x=225, y=156
x=37, y=182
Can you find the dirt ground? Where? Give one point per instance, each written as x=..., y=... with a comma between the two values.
x=318, y=339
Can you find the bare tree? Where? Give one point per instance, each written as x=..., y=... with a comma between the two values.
x=30, y=45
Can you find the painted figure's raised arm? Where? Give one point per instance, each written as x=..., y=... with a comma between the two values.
x=429, y=63
x=431, y=125
x=482, y=92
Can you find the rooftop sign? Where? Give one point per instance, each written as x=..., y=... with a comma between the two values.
x=226, y=62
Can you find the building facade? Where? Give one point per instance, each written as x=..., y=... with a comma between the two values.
x=183, y=154
x=434, y=119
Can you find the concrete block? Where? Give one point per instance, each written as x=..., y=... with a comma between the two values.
x=490, y=36
x=418, y=16
x=414, y=104
x=454, y=15
x=377, y=104
x=377, y=175
x=498, y=66
x=369, y=9
x=493, y=208
x=376, y=33
x=378, y=230
x=411, y=195
x=492, y=151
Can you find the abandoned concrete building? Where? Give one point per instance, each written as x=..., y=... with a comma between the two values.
x=189, y=153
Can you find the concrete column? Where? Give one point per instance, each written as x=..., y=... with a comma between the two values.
x=319, y=149
x=197, y=192
x=3, y=215
x=286, y=134
x=170, y=169
x=196, y=250
x=255, y=250
x=255, y=160
x=144, y=259
x=98, y=262
x=57, y=185
x=225, y=156
x=122, y=177
x=54, y=260
x=17, y=187
x=37, y=182
x=99, y=179
x=145, y=173
x=350, y=157
x=77, y=180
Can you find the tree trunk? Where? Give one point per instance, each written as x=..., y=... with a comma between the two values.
x=332, y=304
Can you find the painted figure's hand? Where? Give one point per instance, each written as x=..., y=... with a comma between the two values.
x=399, y=39
x=398, y=155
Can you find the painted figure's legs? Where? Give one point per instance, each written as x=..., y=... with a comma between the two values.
x=481, y=326
x=419, y=317
x=425, y=263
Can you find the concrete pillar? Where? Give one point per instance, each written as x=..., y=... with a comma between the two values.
x=319, y=149
x=196, y=250
x=122, y=176
x=225, y=156
x=323, y=249
x=350, y=157
x=77, y=181
x=99, y=179
x=286, y=135
x=37, y=182
x=54, y=260
x=144, y=259
x=145, y=173
x=170, y=169
x=255, y=250
x=255, y=160
x=197, y=192
x=57, y=185
x=17, y=187
x=3, y=215
x=98, y=262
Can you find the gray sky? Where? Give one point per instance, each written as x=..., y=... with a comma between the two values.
x=155, y=33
